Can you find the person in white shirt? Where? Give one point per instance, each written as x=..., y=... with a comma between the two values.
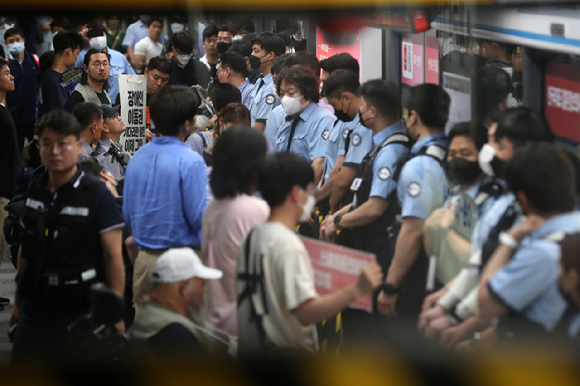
x=277, y=302
x=149, y=47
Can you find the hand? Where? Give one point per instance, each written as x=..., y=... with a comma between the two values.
x=432, y=299
x=430, y=315
x=83, y=32
x=370, y=278
x=530, y=224
x=329, y=231
x=386, y=304
x=448, y=215
x=327, y=220
x=437, y=326
x=15, y=315
x=149, y=135
x=455, y=335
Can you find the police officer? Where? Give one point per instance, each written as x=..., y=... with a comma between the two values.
x=421, y=189
x=307, y=125
x=341, y=89
x=266, y=46
x=72, y=239
x=364, y=223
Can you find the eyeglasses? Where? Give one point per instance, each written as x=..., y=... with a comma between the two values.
x=60, y=146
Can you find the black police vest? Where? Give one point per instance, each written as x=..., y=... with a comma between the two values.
x=63, y=252
x=364, y=189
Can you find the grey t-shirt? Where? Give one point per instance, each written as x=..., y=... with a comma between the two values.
x=195, y=141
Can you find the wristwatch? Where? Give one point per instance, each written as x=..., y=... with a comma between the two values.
x=337, y=222
x=389, y=289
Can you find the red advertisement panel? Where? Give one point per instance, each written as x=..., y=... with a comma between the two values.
x=563, y=100
x=412, y=52
x=325, y=50
x=432, y=60
x=336, y=268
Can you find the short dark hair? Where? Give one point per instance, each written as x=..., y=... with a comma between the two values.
x=521, y=126
x=171, y=107
x=87, y=61
x=87, y=113
x=157, y=19
x=95, y=30
x=13, y=31
x=235, y=62
x=161, y=64
x=60, y=23
x=430, y=102
x=242, y=47
x=183, y=41
x=383, y=96
x=225, y=28
x=67, y=39
x=343, y=61
x=304, y=58
x=61, y=122
x=286, y=37
x=243, y=23
x=82, y=22
x=223, y=94
x=280, y=172
x=178, y=19
x=493, y=86
x=3, y=62
x=92, y=167
x=304, y=78
x=278, y=64
x=209, y=31
x=339, y=82
x=269, y=42
x=476, y=132
x=545, y=175
x=237, y=157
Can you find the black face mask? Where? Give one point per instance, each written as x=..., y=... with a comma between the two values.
x=463, y=171
x=342, y=116
x=255, y=62
x=361, y=120
x=223, y=47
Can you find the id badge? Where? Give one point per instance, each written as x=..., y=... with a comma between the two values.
x=356, y=184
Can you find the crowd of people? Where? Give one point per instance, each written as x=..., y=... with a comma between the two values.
x=474, y=229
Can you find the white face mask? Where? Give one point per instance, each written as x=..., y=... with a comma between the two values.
x=98, y=43
x=237, y=37
x=176, y=27
x=291, y=105
x=486, y=155
x=183, y=59
x=307, y=208
x=290, y=51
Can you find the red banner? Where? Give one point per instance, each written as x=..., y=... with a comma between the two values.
x=336, y=268
x=563, y=99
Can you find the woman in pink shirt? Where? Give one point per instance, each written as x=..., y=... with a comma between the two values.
x=227, y=219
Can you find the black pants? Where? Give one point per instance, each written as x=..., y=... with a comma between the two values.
x=42, y=333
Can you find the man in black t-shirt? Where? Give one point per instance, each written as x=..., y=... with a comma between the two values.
x=67, y=46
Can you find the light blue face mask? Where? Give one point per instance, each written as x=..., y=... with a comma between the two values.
x=16, y=48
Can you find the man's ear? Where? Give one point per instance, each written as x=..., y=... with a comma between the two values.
x=94, y=127
x=86, y=68
x=146, y=71
x=105, y=128
x=523, y=201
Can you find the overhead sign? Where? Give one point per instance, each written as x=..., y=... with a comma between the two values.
x=563, y=100
x=71, y=78
x=336, y=268
x=133, y=92
x=325, y=50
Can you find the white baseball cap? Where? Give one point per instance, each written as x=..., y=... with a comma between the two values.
x=178, y=264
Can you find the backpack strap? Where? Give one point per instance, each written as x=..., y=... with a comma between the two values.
x=203, y=140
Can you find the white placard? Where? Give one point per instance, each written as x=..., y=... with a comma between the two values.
x=407, y=57
x=133, y=92
x=459, y=89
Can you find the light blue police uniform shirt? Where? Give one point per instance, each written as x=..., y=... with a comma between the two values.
x=264, y=100
x=422, y=184
x=528, y=284
x=119, y=66
x=385, y=162
x=310, y=135
x=333, y=148
x=488, y=220
x=275, y=120
x=361, y=143
x=136, y=32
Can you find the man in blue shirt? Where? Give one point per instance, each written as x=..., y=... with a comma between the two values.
x=265, y=47
x=232, y=69
x=421, y=189
x=165, y=186
x=520, y=282
x=135, y=32
x=118, y=63
x=307, y=125
x=22, y=101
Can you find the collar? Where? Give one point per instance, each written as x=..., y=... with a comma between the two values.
x=244, y=84
x=307, y=112
x=563, y=222
x=86, y=145
x=268, y=78
x=74, y=182
x=168, y=140
x=428, y=140
x=105, y=144
x=382, y=136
